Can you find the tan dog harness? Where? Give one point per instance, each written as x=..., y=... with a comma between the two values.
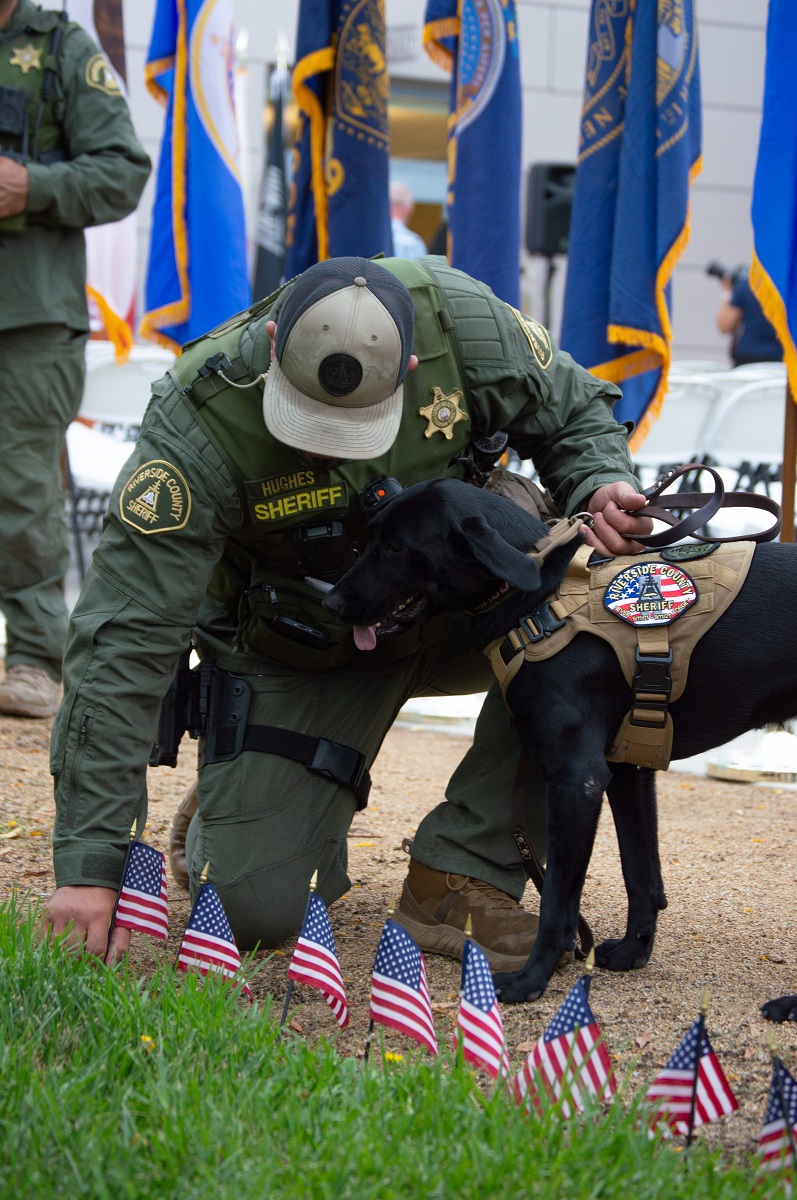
x=652, y=609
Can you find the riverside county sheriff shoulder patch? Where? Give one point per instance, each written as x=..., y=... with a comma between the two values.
x=100, y=76
x=650, y=593
x=537, y=337
x=156, y=498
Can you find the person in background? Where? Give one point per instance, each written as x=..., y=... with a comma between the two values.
x=69, y=158
x=753, y=338
x=406, y=243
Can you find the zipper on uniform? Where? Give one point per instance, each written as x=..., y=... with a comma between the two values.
x=77, y=761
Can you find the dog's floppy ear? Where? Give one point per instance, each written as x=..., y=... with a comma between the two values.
x=499, y=556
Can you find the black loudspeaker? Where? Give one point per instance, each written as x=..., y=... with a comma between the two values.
x=549, y=203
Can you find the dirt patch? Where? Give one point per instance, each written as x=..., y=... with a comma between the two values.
x=728, y=859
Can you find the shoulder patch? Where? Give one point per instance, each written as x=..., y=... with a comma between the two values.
x=100, y=76
x=650, y=593
x=155, y=499
x=537, y=337
x=689, y=551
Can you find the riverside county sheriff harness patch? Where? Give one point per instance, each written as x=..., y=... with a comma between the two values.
x=155, y=499
x=650, y=593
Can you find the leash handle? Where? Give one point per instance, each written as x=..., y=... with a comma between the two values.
x=706, y=506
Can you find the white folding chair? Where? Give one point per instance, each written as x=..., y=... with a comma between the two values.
x=679, y=434
x=115, y=398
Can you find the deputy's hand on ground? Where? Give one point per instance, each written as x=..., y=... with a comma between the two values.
x=13, y=187
x=613, y=528
x=87, y=911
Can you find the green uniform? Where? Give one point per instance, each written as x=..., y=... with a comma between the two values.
x=88, y=169
x=215, y=526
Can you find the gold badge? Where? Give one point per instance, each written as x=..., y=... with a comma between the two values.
x=443, y=414
x=27, y=58
x=155, y=499
x=537, y=337
x=100, y=77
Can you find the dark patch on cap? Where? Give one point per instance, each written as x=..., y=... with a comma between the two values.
x=340, y=374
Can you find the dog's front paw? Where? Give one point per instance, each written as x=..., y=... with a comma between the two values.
x=782, y=1009
x=515, y=987
x=622, y=954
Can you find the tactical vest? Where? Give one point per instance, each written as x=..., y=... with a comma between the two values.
x=25, y=58
x=654, y=657
x=302, y=521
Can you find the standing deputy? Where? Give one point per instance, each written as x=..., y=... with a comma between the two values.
x=68, y=159
x=241, y=503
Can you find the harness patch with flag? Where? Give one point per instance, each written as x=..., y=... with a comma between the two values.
x=650, y=593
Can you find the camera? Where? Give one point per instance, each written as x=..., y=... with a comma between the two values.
x=727, y=275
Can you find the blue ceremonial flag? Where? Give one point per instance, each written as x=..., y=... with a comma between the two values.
x=196, y=275
x=476, y=40
x=773, y=274
x=338, y=202
x=639, y=151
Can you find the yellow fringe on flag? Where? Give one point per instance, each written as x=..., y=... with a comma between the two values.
x=314, y=64
x=433, y=33
x=118, y=330
x=774, y=309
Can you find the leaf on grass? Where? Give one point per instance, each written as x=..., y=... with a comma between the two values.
x=643, y=1040
x=12, y=833
x=442, y=1005
x=296, y=1025
x=525, y=1047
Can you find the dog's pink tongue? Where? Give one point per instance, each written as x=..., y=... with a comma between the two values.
x=365, y=637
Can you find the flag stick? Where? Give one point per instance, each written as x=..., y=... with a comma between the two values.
x=313, y=886
x=701, y=1025
x=128, y=852
x=776, y=1065
x=788, y=469
x=203, y=878
x=391, y=909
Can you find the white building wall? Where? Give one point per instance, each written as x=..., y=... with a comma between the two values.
x=553, y=44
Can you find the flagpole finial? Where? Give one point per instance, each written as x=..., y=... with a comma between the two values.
x=589, y=965
x=704, y=1002
x=314, y=880
x=468, y=927
x=391, y=908
x=203, y=878
x=133, y=828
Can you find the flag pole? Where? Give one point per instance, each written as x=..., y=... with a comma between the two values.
x=701, y=1025
x=776, y=1066
x=788, y=471
x=128, y=852
x=313, y=886
x=390, y=910
x=203, y=878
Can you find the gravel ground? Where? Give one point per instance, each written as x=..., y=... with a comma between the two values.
x=728, y=856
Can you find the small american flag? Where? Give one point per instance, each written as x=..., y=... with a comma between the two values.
x=774, y=1146
x=315, y=962
x=570, y=1061
x=208, y=943
x=142, y=897
x=479, y=1020
x=671, y=1090
x=399, y=991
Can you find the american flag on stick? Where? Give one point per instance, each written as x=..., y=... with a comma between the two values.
x=691, y=1076
x=399, y=991
x=777, y=1142
x=315, y=962
x=570, y=1063
x=479, y=1025
x=142, y=901
x=208, y=943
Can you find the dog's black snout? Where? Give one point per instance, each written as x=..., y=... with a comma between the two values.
x=333, y=603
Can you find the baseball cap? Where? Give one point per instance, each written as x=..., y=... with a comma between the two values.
x=342, y=347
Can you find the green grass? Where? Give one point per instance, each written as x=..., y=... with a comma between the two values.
x=213, y=1107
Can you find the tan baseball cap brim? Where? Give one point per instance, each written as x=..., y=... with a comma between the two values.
x=333, y=432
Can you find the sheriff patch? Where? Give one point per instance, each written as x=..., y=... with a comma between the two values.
x=100, y=76
x=155, y=499
x=650, y=593
x=537, y=337
x=282, y=503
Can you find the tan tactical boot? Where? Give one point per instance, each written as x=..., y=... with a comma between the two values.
x=434, y=906
x=177, y=835
x=28, y=691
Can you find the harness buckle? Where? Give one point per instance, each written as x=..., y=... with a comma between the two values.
x=651, y=688
x=541, y=623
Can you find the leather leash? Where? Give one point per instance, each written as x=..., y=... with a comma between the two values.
x=706, y=506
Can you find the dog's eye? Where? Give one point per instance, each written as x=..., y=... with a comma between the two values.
x=393, y=547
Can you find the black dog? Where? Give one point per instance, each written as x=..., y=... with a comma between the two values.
x=445, y=546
